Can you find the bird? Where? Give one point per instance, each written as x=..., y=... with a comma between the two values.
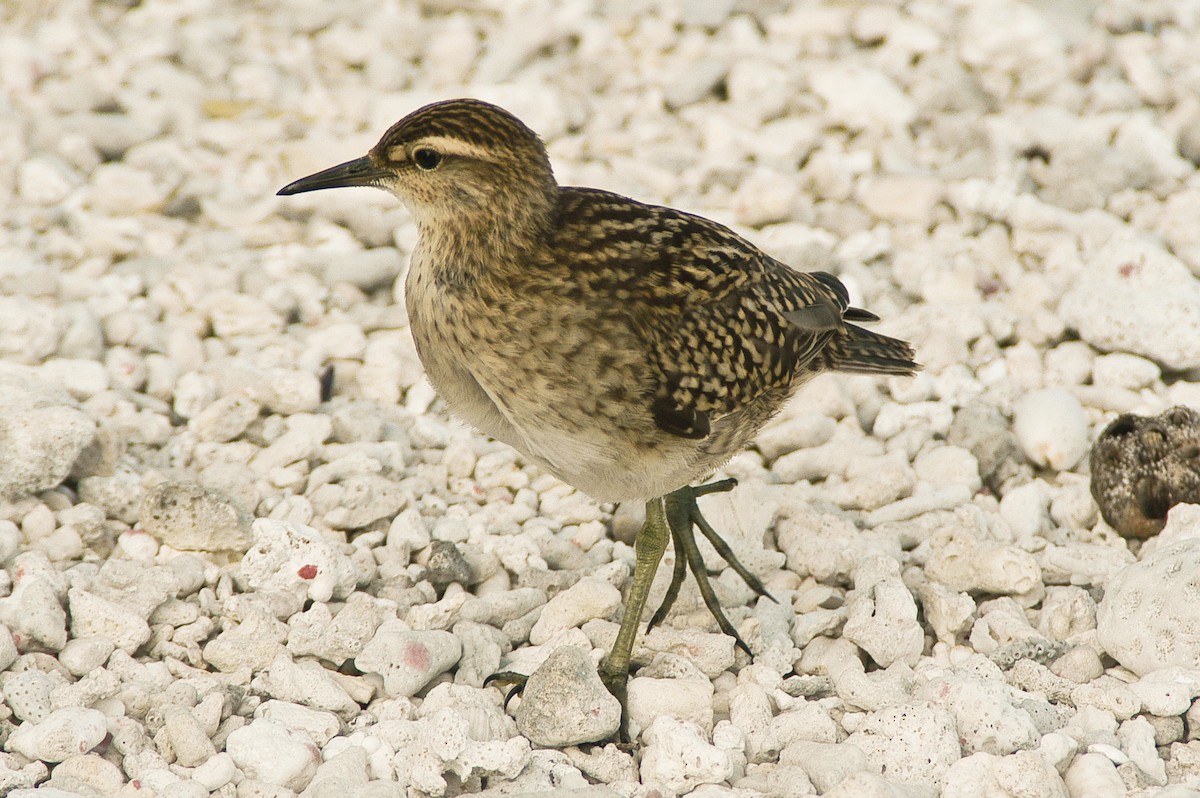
x=629, y=349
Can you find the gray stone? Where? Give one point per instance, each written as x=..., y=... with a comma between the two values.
x=983, y=431
x=184, y=515
x=446, y=564
x=565, y=703
x=408, y=659
x=42, y=434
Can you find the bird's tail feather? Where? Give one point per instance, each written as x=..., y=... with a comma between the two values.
x=861, y=351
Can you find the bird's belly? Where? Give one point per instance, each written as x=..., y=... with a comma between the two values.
x=608, y=464
x=611, y=467
x=541, y=420
x=449, y=369
x=579, y=416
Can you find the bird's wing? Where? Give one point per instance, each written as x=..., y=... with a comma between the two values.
x=722, y=322
x=720, y=355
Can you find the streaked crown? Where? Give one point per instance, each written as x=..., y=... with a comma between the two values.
x=463, y=128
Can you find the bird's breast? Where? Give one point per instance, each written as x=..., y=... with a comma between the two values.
x=451, y=351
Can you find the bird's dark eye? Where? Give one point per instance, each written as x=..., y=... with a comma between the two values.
x=426, y=158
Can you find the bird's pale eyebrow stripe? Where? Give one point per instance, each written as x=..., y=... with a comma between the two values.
x=446, y=145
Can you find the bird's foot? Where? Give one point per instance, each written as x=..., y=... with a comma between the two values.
x=684, y=517
x=616, y=681
x=675, y=516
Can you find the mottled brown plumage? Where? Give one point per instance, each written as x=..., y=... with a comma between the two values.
x=627, y=348
x=1142, y=466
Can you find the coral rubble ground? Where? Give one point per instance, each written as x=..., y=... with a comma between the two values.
x=216, y=579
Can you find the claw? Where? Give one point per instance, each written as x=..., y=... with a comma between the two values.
x=511, y=679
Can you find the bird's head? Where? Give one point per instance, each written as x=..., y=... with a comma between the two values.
x=452, y=161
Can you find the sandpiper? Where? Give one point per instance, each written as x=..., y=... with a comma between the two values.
x=628, y=349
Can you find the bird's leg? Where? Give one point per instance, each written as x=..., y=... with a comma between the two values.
x=649, y=546
x=673, y=515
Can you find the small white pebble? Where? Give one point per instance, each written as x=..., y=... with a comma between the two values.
x=64, y=733
x=1050, y=426
x=82, y=655
x=1094, y=776
x=683, y=699
x=586, y=599
x=677, y=755
x=268, y=751
x=407, y=659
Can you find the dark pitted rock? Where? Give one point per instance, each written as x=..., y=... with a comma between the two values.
x=1142, y=466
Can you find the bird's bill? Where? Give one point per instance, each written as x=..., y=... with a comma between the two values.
x=359, y=172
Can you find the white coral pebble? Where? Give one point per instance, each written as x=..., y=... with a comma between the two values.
x=1051, y=428
x=266, y=750
x=294, y=557
x=1140, y=620
x=64, y=733
x=679, y=757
